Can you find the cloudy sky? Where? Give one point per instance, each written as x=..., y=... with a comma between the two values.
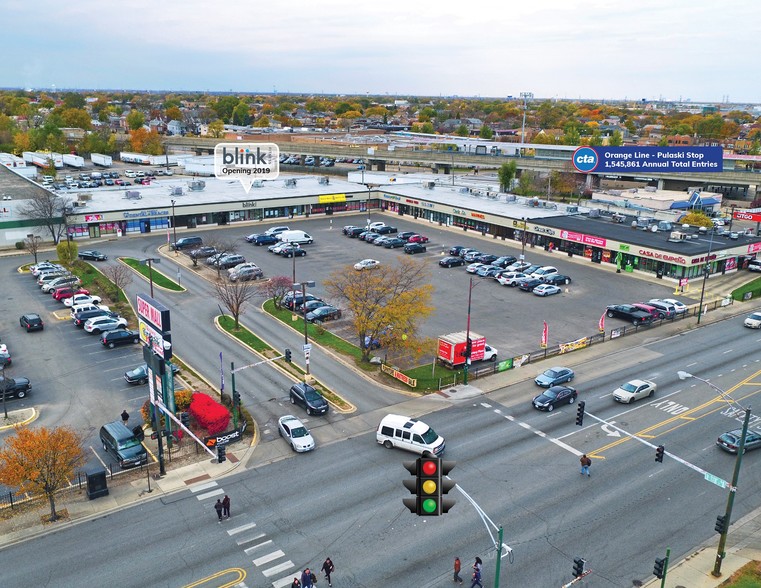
x=677, y=49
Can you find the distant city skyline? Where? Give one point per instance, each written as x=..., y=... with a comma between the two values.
x=599, y=50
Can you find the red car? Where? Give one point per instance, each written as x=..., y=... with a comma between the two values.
x=62, y=294
x=417, y=239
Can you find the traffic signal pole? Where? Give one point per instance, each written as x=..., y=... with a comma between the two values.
x=234, y=395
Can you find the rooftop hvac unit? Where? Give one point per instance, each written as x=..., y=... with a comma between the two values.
x=197, y=185
x=572, y=209
x=633, y=190
x=464, y=190
x=84, y=197
x=510, y=198
x=290, y=183
x=614, y=192
x=325, y=180
x=429, y=185
x=651, y=189
x=257, y=184
x=132, y=195
x=594, y=213
x=176, y=191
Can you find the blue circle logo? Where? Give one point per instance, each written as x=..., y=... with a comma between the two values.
x=585, y=159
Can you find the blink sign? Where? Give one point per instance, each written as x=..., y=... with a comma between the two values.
x=648, y=159
x=153, y=319
x=247, y=162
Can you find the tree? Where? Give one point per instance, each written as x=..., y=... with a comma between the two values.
x=275, y=289
x=241, y=114
x=73, y=100
x=506, y=174
x=526, y=182
x=135, y=120
x=485, y=132
x=32, y=245
x=386, y=304
x=67, y=251
x=217, y=129
x=616, y=139
x=76, y=118
x=41, y=461
x=462, y=131
x=234, y=296
x=120, y=276
x=49, y=209
x=174, y=113
x=263, y=122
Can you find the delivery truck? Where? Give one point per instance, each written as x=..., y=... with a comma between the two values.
x=101, y=160
x=451, y=348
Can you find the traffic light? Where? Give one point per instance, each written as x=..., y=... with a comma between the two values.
x=221, y=454
x=578, y=567
x=468, y=347
x=287, y=356
x=236, y=398
x=185, y=418
x=659, y=453
x=429, y=486
x=721, y=524
x=580, y=413
x=660, y=565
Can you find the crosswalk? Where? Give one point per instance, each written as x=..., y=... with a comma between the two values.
x=267, y=558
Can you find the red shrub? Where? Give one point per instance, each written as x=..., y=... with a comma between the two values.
x=209, y=413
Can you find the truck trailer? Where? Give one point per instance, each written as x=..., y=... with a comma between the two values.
x=140, y=158
x=451, y=348
x=43, y=159
x=101, y=160
x=73, y=160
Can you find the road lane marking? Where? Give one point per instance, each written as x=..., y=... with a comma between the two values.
x=286, y=565
x=240, y=529
x=211, y=494
x=250, y=539
x=257, y=546
x=265, y=559
x=205, y=486
x=538, y=433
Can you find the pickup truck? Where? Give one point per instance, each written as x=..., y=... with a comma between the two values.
x=629, y=313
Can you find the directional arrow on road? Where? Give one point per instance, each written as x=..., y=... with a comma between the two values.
x=610, y=432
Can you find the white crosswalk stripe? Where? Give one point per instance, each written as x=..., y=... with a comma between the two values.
x=287, y=565
x=250, y=550
x=212, y=494
x=240, y=529
x=200, y=487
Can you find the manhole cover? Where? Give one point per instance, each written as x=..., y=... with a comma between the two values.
x=452, y=390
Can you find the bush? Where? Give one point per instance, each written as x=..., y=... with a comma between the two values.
x=19, y=245
x=182, y=399
x=209, y=413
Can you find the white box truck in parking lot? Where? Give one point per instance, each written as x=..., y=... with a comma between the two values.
x=101, y=160
x=73, y=160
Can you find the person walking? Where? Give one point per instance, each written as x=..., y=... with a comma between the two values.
x=226, y=506
x=476, y=578
x=457, y=566
x=296, y=583
x=125, y=417
x=585, y=463
x=306, y=578
x=328, y=568
x=218, y=507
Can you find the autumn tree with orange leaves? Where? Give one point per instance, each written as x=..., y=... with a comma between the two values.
x=41, y=461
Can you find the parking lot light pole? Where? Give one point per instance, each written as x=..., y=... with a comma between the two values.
x=174, y=227
x=303, y=286
x=467, y=334
x=706, y=272
x=149, y=261
x=523, y=240
x=720, y=554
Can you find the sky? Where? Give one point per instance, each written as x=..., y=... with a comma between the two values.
x=698, y=50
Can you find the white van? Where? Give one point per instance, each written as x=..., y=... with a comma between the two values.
x=409, y=434
x=299, y=237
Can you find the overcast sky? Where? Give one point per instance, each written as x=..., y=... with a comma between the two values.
x=677, y=49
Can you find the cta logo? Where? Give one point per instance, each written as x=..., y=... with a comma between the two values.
x=247, y=162
x=585, y=159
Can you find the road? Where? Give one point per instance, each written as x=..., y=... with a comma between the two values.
x=518, y=464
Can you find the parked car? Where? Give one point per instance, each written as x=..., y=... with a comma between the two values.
x=413, y=248
x=101, y=324
x=80, y=299
x=557, y=280
x=664, y=309
x=372, y=237
x=629, y=313
x=529, y=284
x=293, y=301
x=80, y=318
x=546, y=290
x=203, y=252
x=486, y=258
x=418, y=239
x=5, y=355
x=14, y=387
x=293, y=250
x=471, y=255
x=394, y=242
x=474, y=267
x=385, y=230
x=512, y=279
x=518, y=266
x=245, y=274
x=554, y=376
x=68, y=280
x=295, y=433
x=456, y=250
x=259, y=240
x=554, y=397
x=544, y=272
x=406, y=234
x=139, y=374
x=113, y=339
x=92, y=255
x=504, y=261
x=306, y=396
x=679, y=307
x=324, y=313
x=64, y=292
x=355, y=232
x=451, y=261
x=311, y=305
x=730, y=441
x=31, y=322
x=634, y=390
x=366, y=264
x=651, y=310
x=230, y=260
x=348, y=228
x=489, y=271
x=279, y=246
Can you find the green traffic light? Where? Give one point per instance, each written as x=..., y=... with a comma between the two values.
x=429, y=506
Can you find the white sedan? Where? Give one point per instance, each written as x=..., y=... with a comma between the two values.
x=546, y=290
x=80, y=299
x=634, y=390
x=297, y=435
x=366, y=264
x=753, y=321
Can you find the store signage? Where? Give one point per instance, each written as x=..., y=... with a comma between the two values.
x=153, y=312
x=141, y=213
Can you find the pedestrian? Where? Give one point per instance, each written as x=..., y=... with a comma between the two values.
x=328, y=568
x=226, y=506
x=296, y=583
x=218, y=507
x=125, y=416
x=306, y=578
x=585, y=463
x=476, y=578
x=457, y=566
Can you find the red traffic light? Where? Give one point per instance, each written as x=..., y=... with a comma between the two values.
x=430, y=467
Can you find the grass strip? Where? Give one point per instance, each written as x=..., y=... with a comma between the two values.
x=159, y=279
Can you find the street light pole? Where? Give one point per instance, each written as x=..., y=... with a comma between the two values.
x=706, y=271
x=720, y=553
x=149, y=261
x=174, y=227
x=526, y=96
x=467, y=336
x=523, y=240
x=304, y=285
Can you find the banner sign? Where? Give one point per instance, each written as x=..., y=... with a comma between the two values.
x=644, y=159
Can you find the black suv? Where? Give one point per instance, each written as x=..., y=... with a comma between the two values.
x=32, y=322
x=187, y=243
x=306, y=396
x=81, y=318
x=113, y=338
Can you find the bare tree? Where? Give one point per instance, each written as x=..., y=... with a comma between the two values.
x=275, y=288
x=32, y=245
x=223, y=247
x=120, y=275
x=234, y=296
x=50, y=210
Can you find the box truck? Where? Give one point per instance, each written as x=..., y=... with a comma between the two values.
x=451, y=348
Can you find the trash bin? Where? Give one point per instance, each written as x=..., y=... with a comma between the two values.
x=96, y=484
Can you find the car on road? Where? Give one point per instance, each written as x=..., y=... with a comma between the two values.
x=511, y=279
x=324, y=313
x=554, y=376
x=295, y=433
x=31, y=322
x=100, y=324
x=417, y=239
x=366, y=264
x=546, y=290
x=629, y=313
x=557, y=280
x=80, y=299
x=394, y=242
x=554, y=397
x=753, y=320
x=306, y=396
x=529, y=284
x=413, y=248
x=113, y=339
x=730, y=441
x=14, y=387
x=139, y=374
x=634, y=390
x=451, y=261
x=92, y=255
